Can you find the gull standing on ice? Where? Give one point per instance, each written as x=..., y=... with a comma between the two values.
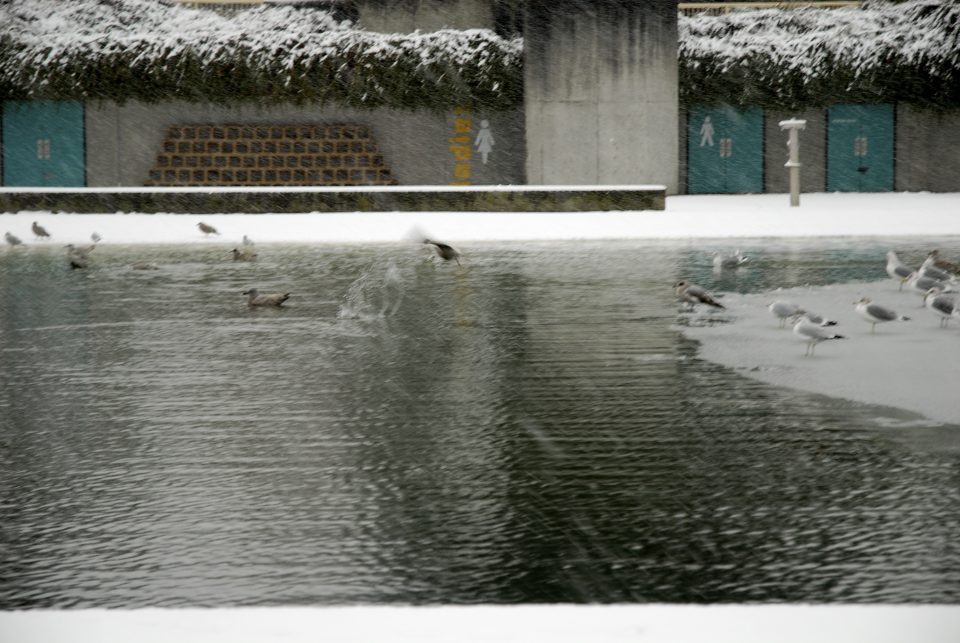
x=12, y=239
x=896, y=269
x=812, y=334
x=875, y=313
x=922, y=285
x=693, y=294
x=942, y=305
x=928, y=269
x=784, y=310
x=39, y=231
x=256, y=298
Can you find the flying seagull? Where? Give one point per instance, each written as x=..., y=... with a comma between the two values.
x=207, y=229
x=444, y=251
x=256, y=298
x=693, y=294
x=39, y=231
x=876, y=314
x=812, y=334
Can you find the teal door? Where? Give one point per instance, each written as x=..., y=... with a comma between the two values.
x=860, y=148
x=724, y=150
x=43, y=144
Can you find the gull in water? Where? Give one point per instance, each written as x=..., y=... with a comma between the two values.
x=941, y=304
x=207, y=230
x=692, y=294
x=723, y=262
x=812, y=334
x=39, y=231
x=875, y=313
x=896, y=269
x=247, y=254
x=256, y=298
x=444, y=251
x=12, y=239
x=79, y=258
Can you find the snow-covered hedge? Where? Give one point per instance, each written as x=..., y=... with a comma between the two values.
x=152, y=50
x=884, y=52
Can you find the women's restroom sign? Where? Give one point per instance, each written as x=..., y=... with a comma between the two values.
x=463, y=142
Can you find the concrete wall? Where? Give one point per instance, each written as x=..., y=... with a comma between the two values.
x=927, y=150
x=421, y=148
x=406, y=16
x=813, y=152
x=601, y=92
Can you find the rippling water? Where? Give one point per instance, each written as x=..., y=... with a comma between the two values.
x=529, y=428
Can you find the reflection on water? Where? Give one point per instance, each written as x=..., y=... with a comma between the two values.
x=528, y=428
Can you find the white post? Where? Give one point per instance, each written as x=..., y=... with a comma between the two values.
x=794, y=125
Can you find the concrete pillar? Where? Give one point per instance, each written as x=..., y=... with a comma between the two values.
x=601, y=92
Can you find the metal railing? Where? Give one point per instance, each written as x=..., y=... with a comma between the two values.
x=717, y=8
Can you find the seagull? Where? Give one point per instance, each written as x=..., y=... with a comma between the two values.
x=728, y=262
x=12, y=239
x=247, y=241
x=207, y=229
x=79, y=258
x=941, y=304
x=812, y=333
x=444, y=251
x=255, y=298
x=693, y=294
x=875, y=313
x=897, y=270
x=928, y=269
x=922, y=285
x=96, y=238
x=246, y=254
x=39, y=231
x=784, y=310
x=943, y=264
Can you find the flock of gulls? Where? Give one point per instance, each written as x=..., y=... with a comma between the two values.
x=936, y=280
x=78, y=257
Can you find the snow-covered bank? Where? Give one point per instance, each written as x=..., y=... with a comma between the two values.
x=689, y=216
x=907, y=365
x=530, y=624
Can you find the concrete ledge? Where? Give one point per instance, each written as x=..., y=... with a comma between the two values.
x=359, y=199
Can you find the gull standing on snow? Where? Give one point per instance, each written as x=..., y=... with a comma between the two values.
x=723, y=262
x=812, y=334
x=207, y=230
x=875, y=313
x=96, y=238
x=941, y=304
x=39, y=231
x=256, y=298
x=692, y=294
x=896, y=269
x=12, y=239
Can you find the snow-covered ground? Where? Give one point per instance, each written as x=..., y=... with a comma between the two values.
x=700, y=216
x=866, y=367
